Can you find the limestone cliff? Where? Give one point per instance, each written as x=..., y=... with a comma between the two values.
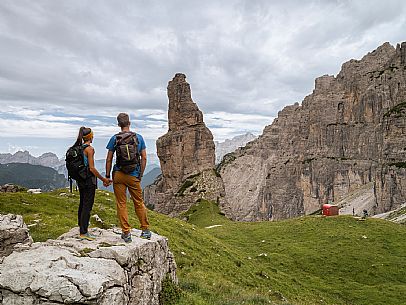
x=186, y=150
x=349, y=132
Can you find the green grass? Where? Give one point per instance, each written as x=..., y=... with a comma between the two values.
x=310, y=260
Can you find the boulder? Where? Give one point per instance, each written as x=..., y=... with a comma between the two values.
x=13, y=234
x=11, y=188
x=71, y=271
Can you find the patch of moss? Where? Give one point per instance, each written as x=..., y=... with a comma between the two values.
x=140, y=262
x=105, y=245
x=306, y=161
x=184, y=187
x=193, y=176
x=85, y=251
x=398, y=164
x=318, y=212
x=399, y=110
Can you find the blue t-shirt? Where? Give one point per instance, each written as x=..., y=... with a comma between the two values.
x=111, y=146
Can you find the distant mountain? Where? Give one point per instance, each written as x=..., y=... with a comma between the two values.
x=32, y=176
x=228, y=146
x=150, y=177
x=47, y=159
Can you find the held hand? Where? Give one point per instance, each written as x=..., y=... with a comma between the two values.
x=107, y=182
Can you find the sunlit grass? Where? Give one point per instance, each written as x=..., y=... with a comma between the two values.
x=310, y=260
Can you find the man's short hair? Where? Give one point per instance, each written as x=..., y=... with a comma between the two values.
x=123, y=120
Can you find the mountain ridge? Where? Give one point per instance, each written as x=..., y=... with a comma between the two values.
x=345, y=134
x=230, y=145
x=32, y=176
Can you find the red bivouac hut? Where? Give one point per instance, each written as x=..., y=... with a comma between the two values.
x=330, y=210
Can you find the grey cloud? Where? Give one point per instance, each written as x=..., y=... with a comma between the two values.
x=240, y=56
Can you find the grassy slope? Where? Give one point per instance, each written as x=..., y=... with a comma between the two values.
x=311, y=260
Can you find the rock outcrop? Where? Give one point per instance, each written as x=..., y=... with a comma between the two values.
x=348, y=133
x=13, y=234
x=230, y=145
x=11, y=188
x=187, y=149
x=69, y=271
x=398, y=215
x=205, y=185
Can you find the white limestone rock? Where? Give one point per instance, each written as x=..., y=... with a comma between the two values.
x=72, y=271
x=13, y=233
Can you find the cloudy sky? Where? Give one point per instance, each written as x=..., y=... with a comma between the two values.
x=64, y=64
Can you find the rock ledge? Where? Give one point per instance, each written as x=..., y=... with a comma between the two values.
x=71, y=271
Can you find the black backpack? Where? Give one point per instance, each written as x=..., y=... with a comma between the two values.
x=127, y=154
x=75, y=163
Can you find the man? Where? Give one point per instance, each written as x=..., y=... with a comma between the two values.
x=128, y=174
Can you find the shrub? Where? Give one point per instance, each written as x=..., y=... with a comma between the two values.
x=170, y=293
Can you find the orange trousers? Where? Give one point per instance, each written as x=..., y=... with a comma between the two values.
x=121, y=182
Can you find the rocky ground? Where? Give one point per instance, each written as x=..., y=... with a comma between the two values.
x=71, y=271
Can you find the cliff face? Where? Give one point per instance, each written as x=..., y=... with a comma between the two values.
x=187, y=149
x=349, y=132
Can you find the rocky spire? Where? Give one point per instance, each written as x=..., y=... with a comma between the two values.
x=183, y=112
x=187, y=155
x=188, y=147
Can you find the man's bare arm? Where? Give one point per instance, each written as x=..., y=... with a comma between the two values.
x=143, y=162
x=109, y=161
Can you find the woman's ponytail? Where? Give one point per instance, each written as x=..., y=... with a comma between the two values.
x=80, y=136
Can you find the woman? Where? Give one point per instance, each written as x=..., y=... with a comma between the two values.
x=87, y=187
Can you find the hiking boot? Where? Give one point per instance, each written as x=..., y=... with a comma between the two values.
x=126, y=237
x=146, y=234
x=87, y=236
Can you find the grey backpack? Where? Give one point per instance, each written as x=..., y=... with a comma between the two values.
x=127, y=154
